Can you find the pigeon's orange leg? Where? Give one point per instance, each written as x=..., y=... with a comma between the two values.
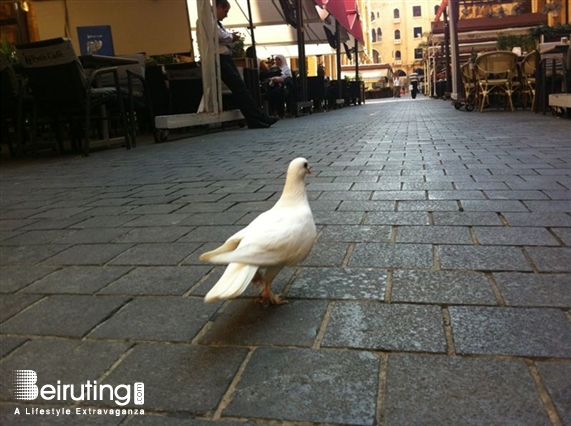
x=268, y=295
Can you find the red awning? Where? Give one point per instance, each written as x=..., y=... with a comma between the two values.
x=345, y=11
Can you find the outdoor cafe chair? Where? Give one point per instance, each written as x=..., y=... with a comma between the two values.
x=133, y=83
x=528, y=68
x=496, y=72
x=63, y=93
x=12, y=106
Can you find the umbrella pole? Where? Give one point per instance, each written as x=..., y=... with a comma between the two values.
x=338, y=57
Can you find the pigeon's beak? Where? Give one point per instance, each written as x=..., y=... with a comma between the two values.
x=308, y=171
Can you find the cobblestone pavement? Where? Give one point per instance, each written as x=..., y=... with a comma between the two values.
x=438, y=291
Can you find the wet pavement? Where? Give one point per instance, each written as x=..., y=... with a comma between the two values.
x=438, y=291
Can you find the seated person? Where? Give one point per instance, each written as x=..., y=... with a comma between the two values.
x=278, y=85
x=263, y=69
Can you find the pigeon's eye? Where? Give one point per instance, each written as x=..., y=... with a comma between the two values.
x=305, y=165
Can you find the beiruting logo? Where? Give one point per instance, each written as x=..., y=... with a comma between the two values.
x=24, y=388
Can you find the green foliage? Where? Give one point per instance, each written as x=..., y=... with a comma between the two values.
x=509, y=41
x=549, y=32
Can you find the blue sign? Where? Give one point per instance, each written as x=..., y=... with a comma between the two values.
x=96, y=40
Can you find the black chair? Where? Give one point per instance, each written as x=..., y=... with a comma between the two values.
x=11, y=108
x=185, y=86
x=133, y=82
x=62, y=93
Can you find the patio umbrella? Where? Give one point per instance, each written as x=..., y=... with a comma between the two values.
x=346, y=12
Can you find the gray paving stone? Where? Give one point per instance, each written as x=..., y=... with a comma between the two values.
x=337, y=218
x=13, y=278
x=434, y=235
x=159, y=234
x=60, y=213
x=213, y=219
x=246, y=323
x=515, y=195
x=28, y=255
x=158, y=420
x=441, y=288
x=425, y=390
x=311, y=380
x=553, y=290
x=397, y=218
x=51, y=224
x=8, y=344
x=154, y=220
x=429, y=205
x=556, y=378
x=367, y=206
x=339, y=283
x=63, y=315
x=157, y=280
x=386, y=327
x=155, y=254
x=180, y=378
x=511, y=331
x=11, y=304
x=551, y=206
x=165, y=318
x=349, y=233
x=37, y=238
x=455, y=195
x=210, y=233
x=551, y=259
x=104, y=222
x=466, y=218
x=483, y=258
x=398, y=195
x=564, y=234
x=538, y=219
x=345, y=195
x=77, y=280
x=93, y=235
x=392, y=255
x=326, y=253
x=515, y=236
x=69, y=361
x=87, y=254
x=493, y=206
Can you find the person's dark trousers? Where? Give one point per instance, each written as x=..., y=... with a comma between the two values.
x=276, y=99
x=242, y=96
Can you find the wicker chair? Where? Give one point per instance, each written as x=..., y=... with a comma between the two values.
x=496, y=72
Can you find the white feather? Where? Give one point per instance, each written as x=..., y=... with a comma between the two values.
x=281, y=236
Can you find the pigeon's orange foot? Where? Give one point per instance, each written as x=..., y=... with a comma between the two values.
x=271, y=297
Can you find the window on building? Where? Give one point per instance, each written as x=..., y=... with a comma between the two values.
x=379, y=35
x=417, y=53
x=397, y=34
x=376, y=57
x=396, y=14
x=416, y=11
x=417, y=32
x=398, y=55
x=374, y=36
x=372, y=16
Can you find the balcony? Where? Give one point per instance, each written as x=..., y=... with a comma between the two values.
x=397, y=41
x=398, y=62
x=396, y=20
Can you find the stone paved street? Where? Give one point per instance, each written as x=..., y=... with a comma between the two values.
x=438, y=291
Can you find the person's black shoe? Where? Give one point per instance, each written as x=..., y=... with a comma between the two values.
x=258, y=125
x=270, y=119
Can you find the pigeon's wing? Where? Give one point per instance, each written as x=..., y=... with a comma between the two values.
x=271, y=239
x=230, y=244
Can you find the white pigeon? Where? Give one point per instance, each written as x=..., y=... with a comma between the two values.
x=282, y=236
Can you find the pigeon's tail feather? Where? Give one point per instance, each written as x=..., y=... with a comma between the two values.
x=232, y=283
x=228, y=246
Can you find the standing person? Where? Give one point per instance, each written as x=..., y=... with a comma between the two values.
x=414, y=83
x=396, y=86
x=255, y=117
x=279, y=85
